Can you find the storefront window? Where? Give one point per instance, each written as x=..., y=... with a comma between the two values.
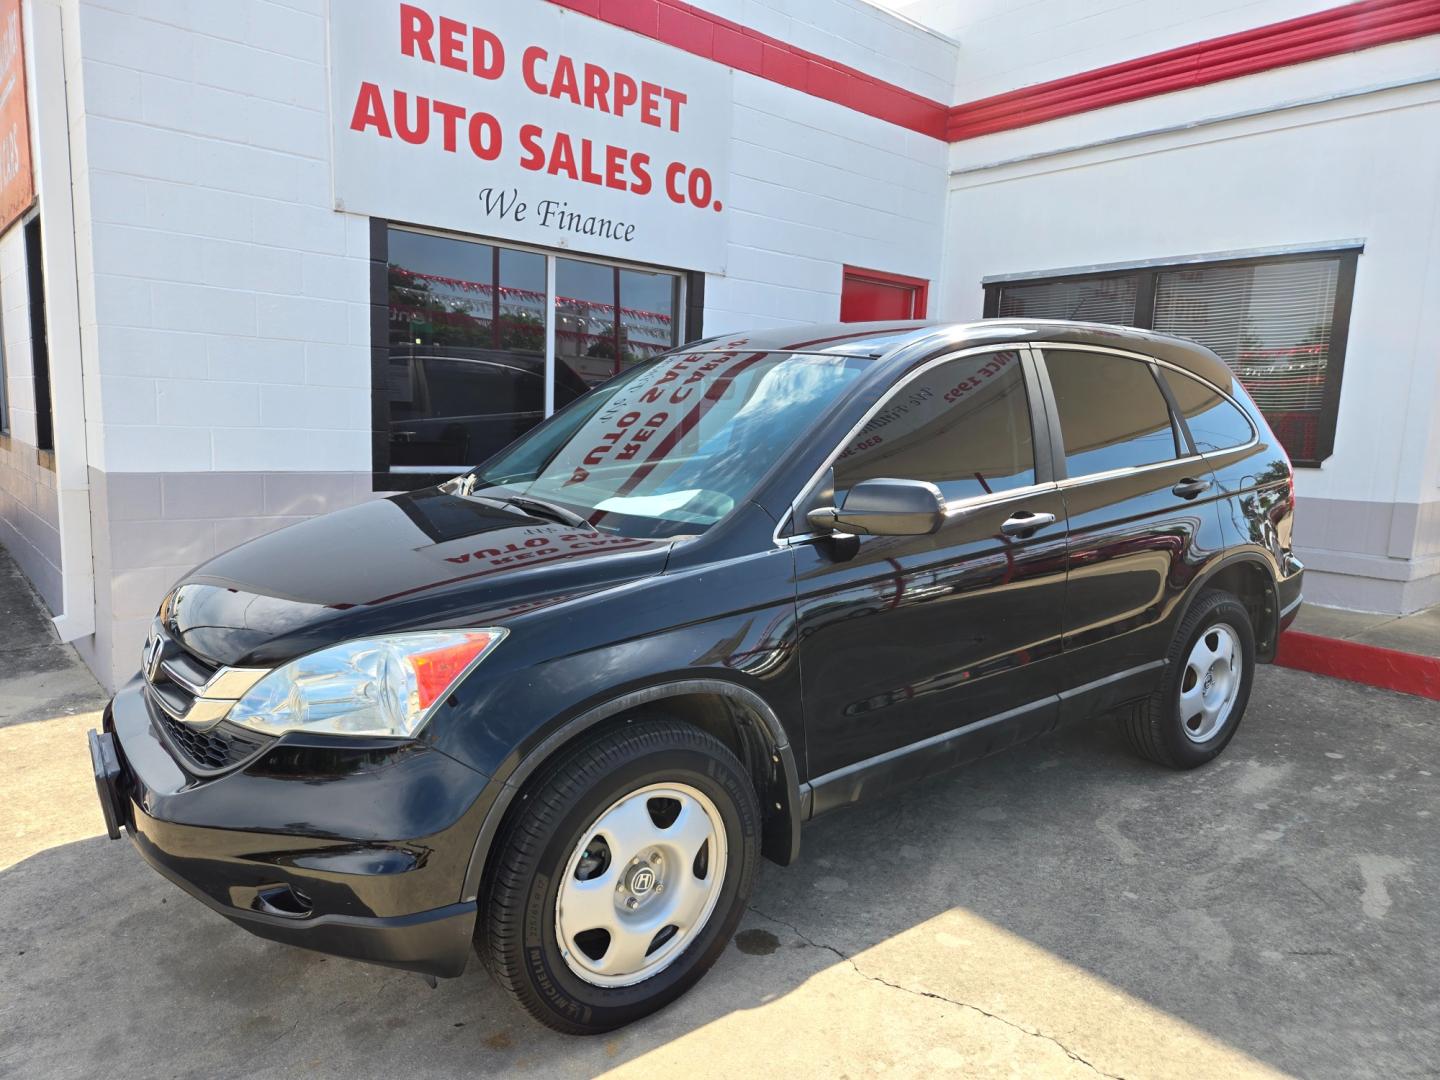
x=608, y=317
x=466, y=353
x=1101, y=299
x=1280, y=322
x=649, y=312
x=1272, y=323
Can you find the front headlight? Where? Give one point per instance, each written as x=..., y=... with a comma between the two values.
x=385, y=686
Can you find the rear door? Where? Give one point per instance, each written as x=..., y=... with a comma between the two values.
x=1142, y=518
x=920, y=651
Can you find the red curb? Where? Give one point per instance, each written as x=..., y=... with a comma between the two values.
x=1355, y=661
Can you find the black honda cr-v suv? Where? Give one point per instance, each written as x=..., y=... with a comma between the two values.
x=557, y=707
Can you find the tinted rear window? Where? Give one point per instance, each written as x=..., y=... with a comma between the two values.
x=1215, y=423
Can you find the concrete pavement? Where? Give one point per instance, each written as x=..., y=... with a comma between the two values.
x=1417, y=633
x=1063, y=910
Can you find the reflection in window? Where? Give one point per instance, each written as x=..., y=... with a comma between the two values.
x=963, y=426
x=1102, y=299
x=1278, y=321
x=1214, y=423
x=467, y=322
x=674, y=447
x=1271, y=323
x=609, y=317
x=1112, y=413
x=467, y=348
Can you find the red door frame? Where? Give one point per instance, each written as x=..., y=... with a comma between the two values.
x=919, y=287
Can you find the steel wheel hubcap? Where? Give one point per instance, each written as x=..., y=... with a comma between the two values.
x=641, y=883
x=1210, y=683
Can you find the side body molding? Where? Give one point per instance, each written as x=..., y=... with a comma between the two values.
x=784, y=804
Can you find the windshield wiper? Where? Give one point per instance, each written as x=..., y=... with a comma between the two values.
x=464, y=486
x=541, y=508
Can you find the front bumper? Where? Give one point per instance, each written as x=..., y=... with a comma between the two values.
x=299, y=845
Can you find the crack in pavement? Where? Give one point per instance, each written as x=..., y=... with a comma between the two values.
x=929, y=994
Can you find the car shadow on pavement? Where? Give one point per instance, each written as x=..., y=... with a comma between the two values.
x=1060, y=910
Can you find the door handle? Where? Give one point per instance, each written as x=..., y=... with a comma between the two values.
x=1023, y=522
x=1189, y=487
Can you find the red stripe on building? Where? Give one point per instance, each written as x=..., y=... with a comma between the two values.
x=1357, y=662
x=1294, y=41
x=1279, y=45
x=700, y=33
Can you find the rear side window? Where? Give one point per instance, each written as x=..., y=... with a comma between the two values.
x=1214, y=422
x=964, y=426
x=1112, y=413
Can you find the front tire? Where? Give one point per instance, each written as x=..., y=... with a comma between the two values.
x=1195, y=711
x=621, y=875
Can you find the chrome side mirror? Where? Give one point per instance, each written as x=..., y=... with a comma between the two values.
x=884, y=507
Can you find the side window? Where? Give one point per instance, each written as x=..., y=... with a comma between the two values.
x=964, y=426
x=1112, y=413
x=1215, y=424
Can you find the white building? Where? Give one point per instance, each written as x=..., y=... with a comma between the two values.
x=269, y=257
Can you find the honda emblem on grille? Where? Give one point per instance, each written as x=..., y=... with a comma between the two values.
x=153, y=654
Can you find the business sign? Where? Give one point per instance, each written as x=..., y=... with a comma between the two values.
x=527, y=122
x=17, y=180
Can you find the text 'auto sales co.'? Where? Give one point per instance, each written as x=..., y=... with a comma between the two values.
x=538, y=126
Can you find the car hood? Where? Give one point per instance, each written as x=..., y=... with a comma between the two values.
x=408, y=562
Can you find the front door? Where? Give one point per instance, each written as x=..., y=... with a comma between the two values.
x=920, y=651
x=1142, y=522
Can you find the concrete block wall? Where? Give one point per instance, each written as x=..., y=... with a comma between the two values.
x=815, y=186
x=29, y=519
x=160, y=525
x=231, y=300
x=29, y=516
x=858, y=34
x=1004, y=46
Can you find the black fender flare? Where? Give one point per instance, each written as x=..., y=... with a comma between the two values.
x=783, y=817
x=1254, y=558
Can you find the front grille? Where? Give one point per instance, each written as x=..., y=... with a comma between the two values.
x=216, y=750
x=177, y=682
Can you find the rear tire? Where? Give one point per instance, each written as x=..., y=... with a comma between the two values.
x=1195, y=711
x=650, y=832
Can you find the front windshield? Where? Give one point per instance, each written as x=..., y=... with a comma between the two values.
x=671, y=447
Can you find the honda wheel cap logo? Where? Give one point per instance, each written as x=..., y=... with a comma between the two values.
x=643, y=881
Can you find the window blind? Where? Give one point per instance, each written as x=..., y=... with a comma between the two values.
x=1271, y=323
x=1104, y=299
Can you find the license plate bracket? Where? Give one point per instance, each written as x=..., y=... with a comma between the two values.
x=105, y=760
